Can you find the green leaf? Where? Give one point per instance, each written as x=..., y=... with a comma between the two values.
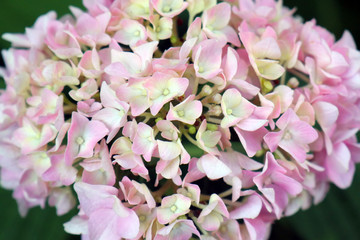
x=39, y=224
x=336, y=218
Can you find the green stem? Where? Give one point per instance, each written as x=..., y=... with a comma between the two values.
x=213, y=120
x=282, y=80
x=280, y=154
x=203, y=231
x=186, y=134
x=225, y=193
x=196, y=86
x=299, y=75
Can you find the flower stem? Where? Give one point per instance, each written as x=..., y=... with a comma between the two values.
x=299, y=75
x=196, y=85
x=203, y=231
x=189, y=137
x=69, y=109
x=280, y=155
x=225, y=193
x=159, y=193
x=282, y=80
x=213, y=120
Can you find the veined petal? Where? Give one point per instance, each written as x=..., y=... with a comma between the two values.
x=269, y=69
x=168, y=150
x=213, y=167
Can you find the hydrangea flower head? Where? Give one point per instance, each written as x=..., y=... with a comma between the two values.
x=166, y=130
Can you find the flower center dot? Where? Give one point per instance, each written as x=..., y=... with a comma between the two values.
x=158, y=29
x=181, y=113
x=142, y=218
x=166, y=9
x=137, y=33
x=80, y=140
x=201, y=70
x=229, y=111
x=166, y=92
x=287, y=135
x=173, y=208
x=223, y=229
x=43, y=156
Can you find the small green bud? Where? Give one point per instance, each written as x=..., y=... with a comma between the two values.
x=211, y=127
x=158, y=119
x=173, y=39
x=259, y=153
x=192, y=130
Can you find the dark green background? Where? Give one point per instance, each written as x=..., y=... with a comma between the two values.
x=337, y=218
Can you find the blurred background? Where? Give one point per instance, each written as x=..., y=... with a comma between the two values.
x=336, y=218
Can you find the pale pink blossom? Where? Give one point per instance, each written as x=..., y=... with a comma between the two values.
x=187, y=111
x=215, y=23
x=213, y=214
x=86, y=91
x=122, y=152
x=161, y=27
x=90, y=64
x=137, y=64
x=136, y=193
x=163, y=87
x=136, y=95
x=98, y=169
x=114, y=113
x=47, y=108
x=207, y=58
x=235, y=108
x=208, y=139
x=146, y=217
x=30, y=138
x=108, y=218
x=168, y=129
x=32, y=191
x=144, y=141
x=59, y=172
x=293, y=137
x=35, y=36
x=169, y=169
x=275, y=184
x=136, y=8
x=182, y=229
x=91, y=30
x=55, y=74
x=213, y=167
x=61, y=39
x=194, y=31
x=191, y=191
x=130, y=32
x=62, y=199
x=169, y=8
x=172, y=207
x=82, y=137
x=264, y=53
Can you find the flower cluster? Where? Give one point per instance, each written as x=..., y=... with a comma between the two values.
x=176, y=119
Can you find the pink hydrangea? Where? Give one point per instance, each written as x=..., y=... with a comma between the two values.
x=144, y=120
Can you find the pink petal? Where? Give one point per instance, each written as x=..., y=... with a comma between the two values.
x=249, y=208
x=213, y=167
x=251, y=141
